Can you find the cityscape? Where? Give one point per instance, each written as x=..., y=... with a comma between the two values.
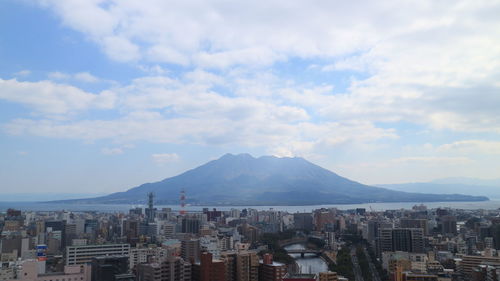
x=263, y=140
x=327, y=244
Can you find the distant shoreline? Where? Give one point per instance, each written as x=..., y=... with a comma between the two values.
x=82, y=202
x=44, y=206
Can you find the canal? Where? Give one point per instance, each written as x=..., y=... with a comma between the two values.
x=310, y=263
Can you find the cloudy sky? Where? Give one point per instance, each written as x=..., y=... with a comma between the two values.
x=99, y=96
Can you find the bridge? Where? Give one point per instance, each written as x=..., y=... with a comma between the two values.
x=302, y=252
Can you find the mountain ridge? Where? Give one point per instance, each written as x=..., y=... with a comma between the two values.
x=436, y=187
x=267, y=180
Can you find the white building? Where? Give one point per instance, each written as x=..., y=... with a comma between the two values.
x=84, y=254
x=30, y=271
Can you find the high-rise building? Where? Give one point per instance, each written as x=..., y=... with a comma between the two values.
x=52, y=226
x=91, y=226
x=414, y=223
x=324, y=220
x=130, y=229
x=303, y=221
x=170, y=269
x=250, y=232
x=372, y=230
x=84, y=254
x=190, y=225
x=448, y=224
x=111, y=268
x=190, y=250
x=208, y=269
x=400, y=239
x=241, y=266
x=213, y=215
x=150, y=210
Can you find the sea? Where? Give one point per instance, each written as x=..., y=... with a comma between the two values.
x=45, y=206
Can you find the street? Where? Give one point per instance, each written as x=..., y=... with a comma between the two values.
x=373, y=270
x=358, y=276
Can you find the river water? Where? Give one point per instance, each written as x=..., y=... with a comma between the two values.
x=310, y=263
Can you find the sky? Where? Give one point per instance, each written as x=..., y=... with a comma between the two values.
x=99, y=96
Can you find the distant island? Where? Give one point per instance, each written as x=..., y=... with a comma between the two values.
x=268, y=180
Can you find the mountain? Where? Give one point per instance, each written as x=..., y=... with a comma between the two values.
x=467, y=186
x=267, y=180
x=469, y=181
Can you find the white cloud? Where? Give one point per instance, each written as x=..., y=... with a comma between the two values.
x=415, y=168
x=120, y=49
x=472, y=147
x=168, y=55
x=112, y=151
x=187, y=110
x=433, y=160
x=225, y=33
x=23, y=73
x=426, y=64
x=53, y=99
x=86, y=77
x=163, y=158
x=56, y=75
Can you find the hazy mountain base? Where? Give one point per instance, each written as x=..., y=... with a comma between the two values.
x=268, y=180
x=436, y=188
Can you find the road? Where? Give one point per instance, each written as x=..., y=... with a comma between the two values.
x=373, y=269
x=358, y=276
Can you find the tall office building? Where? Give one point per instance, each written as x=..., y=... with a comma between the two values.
x=53, y=226
x=91, y=226
x=303, y=221
x=70, y=233
x=130, y=229
x=84, y=254
x=171, y=269
x=150, y=210
x=247, y=266
x=414, y=223
x=208, y=269
x=241, y=266
x=191, y=225
x=400, y=239
x=372, y=230
x=448, y=224
x=324, y=220
x=190, y=250
x=111, y=268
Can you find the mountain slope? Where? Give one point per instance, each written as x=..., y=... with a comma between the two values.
x=446, y=188
x=469, y=181
x=245, y=180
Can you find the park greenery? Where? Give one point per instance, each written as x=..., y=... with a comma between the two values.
x=363, y=264
x=272, y=242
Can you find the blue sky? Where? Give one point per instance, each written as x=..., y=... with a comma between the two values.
x=100, y=96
